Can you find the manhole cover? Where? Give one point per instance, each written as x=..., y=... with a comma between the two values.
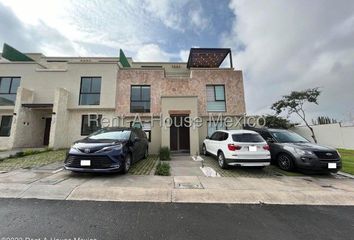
x=188, y=186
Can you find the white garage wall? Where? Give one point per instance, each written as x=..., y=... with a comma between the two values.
x=333, y=135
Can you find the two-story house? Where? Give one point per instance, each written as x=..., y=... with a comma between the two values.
x=179, y=91
x=49, y=101
x=46, y=101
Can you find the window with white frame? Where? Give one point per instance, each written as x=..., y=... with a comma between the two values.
x=215, y=98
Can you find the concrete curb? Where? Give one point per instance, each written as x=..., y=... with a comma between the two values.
x=345, y=174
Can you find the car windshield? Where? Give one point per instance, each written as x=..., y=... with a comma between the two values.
x=288, y=137
x=247, y=137
x=106, y=134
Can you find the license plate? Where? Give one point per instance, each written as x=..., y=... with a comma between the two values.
x=85, y=163
x=252, y=148
x=332, y=165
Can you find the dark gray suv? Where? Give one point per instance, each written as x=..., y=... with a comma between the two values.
x=289, y=151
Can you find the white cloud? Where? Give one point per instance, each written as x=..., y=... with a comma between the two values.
x=293, y=45
x=167, y=12
x=198, y=20
x=152, y=53
x=32, y=38
x=183, y=55
x=179, y=15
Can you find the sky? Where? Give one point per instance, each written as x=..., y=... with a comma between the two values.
x=280, y=46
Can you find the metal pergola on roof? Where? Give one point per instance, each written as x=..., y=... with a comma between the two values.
x=208, y=57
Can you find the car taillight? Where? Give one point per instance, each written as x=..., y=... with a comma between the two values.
x=233, y=147
x=266, y=147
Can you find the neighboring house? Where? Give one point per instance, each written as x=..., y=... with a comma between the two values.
x=44, y=101
x=48, y=100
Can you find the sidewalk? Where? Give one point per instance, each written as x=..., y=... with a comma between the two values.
x=183, y=165
x=64, y=185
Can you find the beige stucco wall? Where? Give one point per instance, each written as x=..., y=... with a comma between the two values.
x=28, y=128
x=45, y=82
x=329, y=134
x=186, y=103
x=59, y=86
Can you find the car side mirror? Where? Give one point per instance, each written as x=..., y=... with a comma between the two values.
x=207, y=137
x=270, y=140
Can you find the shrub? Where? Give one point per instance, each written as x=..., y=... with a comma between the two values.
x=30, y=152
x=18, y=154
x=163, y=169
x=164, y=153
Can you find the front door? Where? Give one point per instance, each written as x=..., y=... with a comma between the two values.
x=48, y=122
x=179, y=134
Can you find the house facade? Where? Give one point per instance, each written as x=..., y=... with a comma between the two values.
x=53, y=101
x=45, y=101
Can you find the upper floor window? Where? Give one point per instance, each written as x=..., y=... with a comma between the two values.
x=5, y=126
x=140, y=99
x=90, y=91
x=216, y=98
x=8, y=90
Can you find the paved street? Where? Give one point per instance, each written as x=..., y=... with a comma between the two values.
x=111, y=220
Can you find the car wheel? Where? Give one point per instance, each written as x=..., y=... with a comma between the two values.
x=221, y=160
x=146, y=154
x=285, y=162
x=204, y=150
x=127, y=163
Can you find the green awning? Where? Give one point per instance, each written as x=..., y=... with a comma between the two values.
x=12, y=54
x=123, y=59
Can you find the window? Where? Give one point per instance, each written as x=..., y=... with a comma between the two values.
x=266, y=136
x=224, y=136
x=247, y=137
x=90, y=91
x=140, y=99
x=90, y=123
x=215, y=136
x=213, y=126
x=5, y=126
x=216, y=98
x=219, y=136
x=8, y=90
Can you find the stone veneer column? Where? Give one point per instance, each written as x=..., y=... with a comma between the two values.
x=60, y=120
x=18, y=137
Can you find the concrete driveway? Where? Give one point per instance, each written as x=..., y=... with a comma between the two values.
x=53, y=184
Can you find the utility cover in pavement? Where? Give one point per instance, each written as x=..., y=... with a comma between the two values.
x=188, y=186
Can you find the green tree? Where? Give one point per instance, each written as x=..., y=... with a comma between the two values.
x=274, y=121
x=294, y=103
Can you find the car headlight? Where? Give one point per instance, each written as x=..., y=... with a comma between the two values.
x=111, y=148
x=302, y=152
x=73, y=147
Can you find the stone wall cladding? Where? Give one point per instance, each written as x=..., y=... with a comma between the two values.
x=193, y=86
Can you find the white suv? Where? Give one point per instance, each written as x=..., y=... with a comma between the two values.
x=237, y=148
